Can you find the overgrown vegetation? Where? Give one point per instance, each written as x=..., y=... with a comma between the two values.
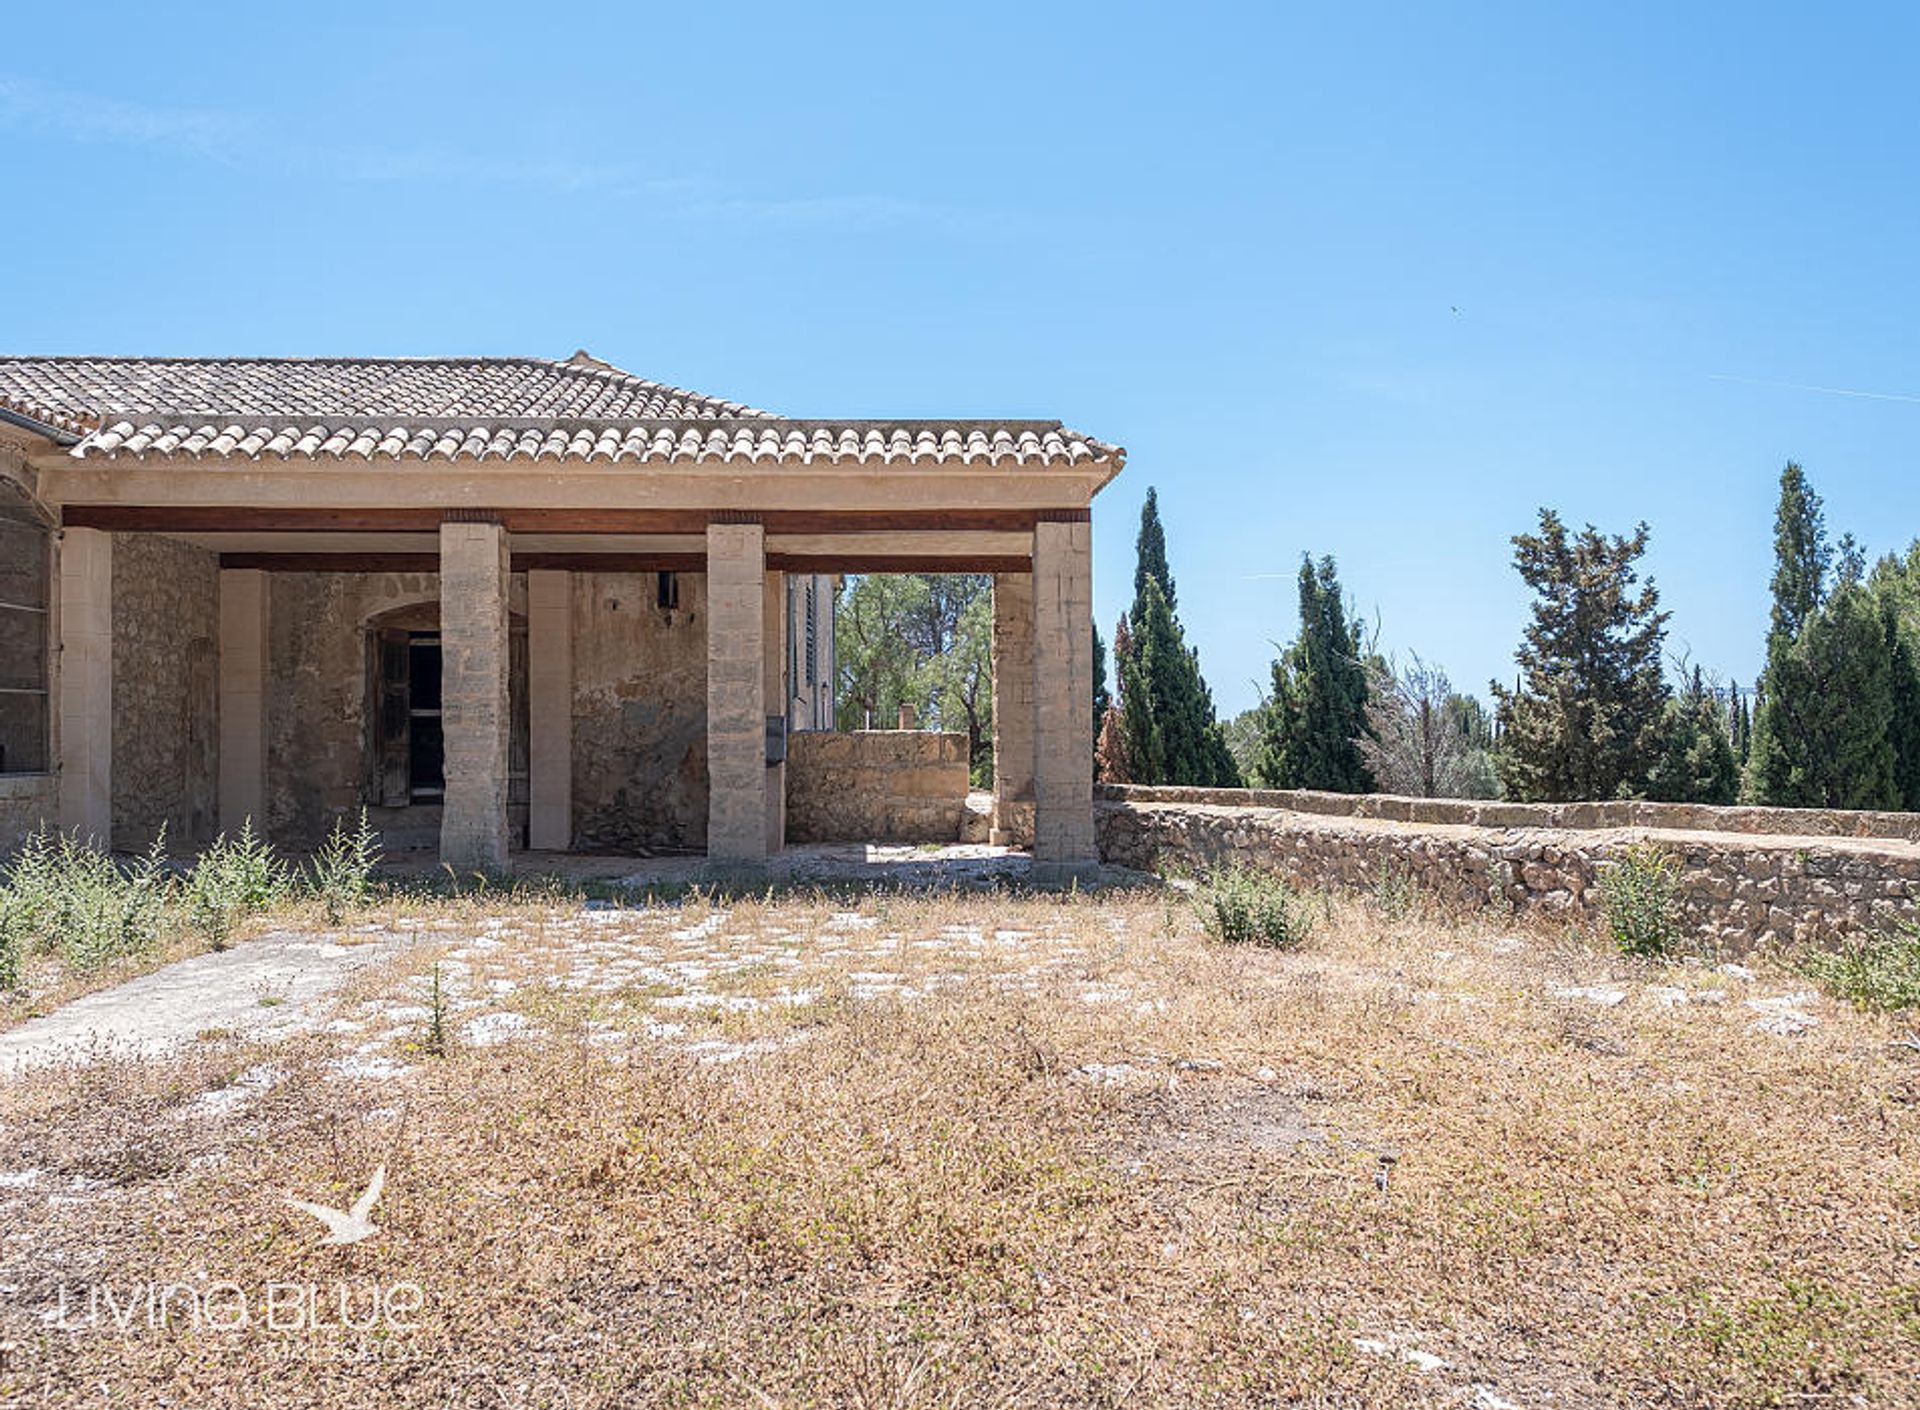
x=236, y=877
x=63, y=898
x=1878, y=971
x=1639, y=895
x=343, y=868
x=1246, y=906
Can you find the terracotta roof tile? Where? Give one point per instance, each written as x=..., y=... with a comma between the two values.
x=472, y=409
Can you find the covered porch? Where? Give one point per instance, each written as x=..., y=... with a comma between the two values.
x=523, y=614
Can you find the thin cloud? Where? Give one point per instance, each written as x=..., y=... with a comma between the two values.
x=232, y=139
x=1811, y=387
x=83, y=117
x=864, y=212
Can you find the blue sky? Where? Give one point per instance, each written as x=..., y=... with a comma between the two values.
x=1369, y=280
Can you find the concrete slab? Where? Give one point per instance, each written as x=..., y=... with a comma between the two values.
x=264, y=988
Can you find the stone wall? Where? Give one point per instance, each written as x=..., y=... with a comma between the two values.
x=317, y=693
x=1675, y=817
x=166, y=692
x=639, y=714
x=876, y=786
x=27, y=801
x=1738, y=888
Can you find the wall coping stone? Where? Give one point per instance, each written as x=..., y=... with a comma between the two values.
x=1821, y=823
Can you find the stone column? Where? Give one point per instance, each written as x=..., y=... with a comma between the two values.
x=474, y=718
x=243, y=699
x=1063, y=839
x=86, y=684
x=550, y=710
x=1013, y=710
x=736, y=692
x=774, y=689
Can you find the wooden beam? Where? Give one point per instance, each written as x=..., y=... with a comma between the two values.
x=898, y=563
x=430, y=562
x=183, y=519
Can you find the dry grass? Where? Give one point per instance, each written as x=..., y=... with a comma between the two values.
x=993, y=1151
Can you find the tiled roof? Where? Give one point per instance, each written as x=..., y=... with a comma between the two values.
x=469, y=409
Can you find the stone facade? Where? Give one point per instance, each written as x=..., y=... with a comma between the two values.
x=1736, y=888
x=27, y=801
x=166, y=684
x=876, y=786
x=640, y=713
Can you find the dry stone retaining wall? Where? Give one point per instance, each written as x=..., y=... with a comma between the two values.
x=1740, y=888
x=876, y=786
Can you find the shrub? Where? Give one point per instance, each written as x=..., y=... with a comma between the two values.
x=235, y=877
x=344, y=867
x=13, y=941
x=1395, y=893
x=64, y=896
x=1638, y=892
x=1246, y=906
x=1877, y=971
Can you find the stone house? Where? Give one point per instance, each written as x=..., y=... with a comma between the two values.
x=500, y=602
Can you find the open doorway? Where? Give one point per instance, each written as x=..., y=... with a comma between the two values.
x=406, y=736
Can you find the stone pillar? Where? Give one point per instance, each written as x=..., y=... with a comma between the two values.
x=1013, y=710
x=550, y=710
x=775, y=692
x=1063, y=838
x=474, y=718
x=736, y=693
x=86, y=684
x=243, y=699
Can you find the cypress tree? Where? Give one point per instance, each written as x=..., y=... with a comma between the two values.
x=1800, y=556
x=1101, y=700
x=1584, y=721
x=1739, y=727
x=1822, y=734
x=1170, y=732
x=1150, y=549
x=1903, y=726
x=1317, y=714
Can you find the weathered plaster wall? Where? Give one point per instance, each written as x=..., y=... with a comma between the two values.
x=876, y=786
x=166, y=691
x=1737, y=888
x=640, y=714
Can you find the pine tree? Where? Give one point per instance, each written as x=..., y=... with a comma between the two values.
x=1584, y=720
x=1697, y=763
x=1317, y=717
x=1822, y=734
x=1150, y=549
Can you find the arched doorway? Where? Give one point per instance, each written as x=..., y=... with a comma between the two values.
x=405, y=742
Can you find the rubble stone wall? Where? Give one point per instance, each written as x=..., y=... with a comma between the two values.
x=1737, y=887
x=876, y=786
